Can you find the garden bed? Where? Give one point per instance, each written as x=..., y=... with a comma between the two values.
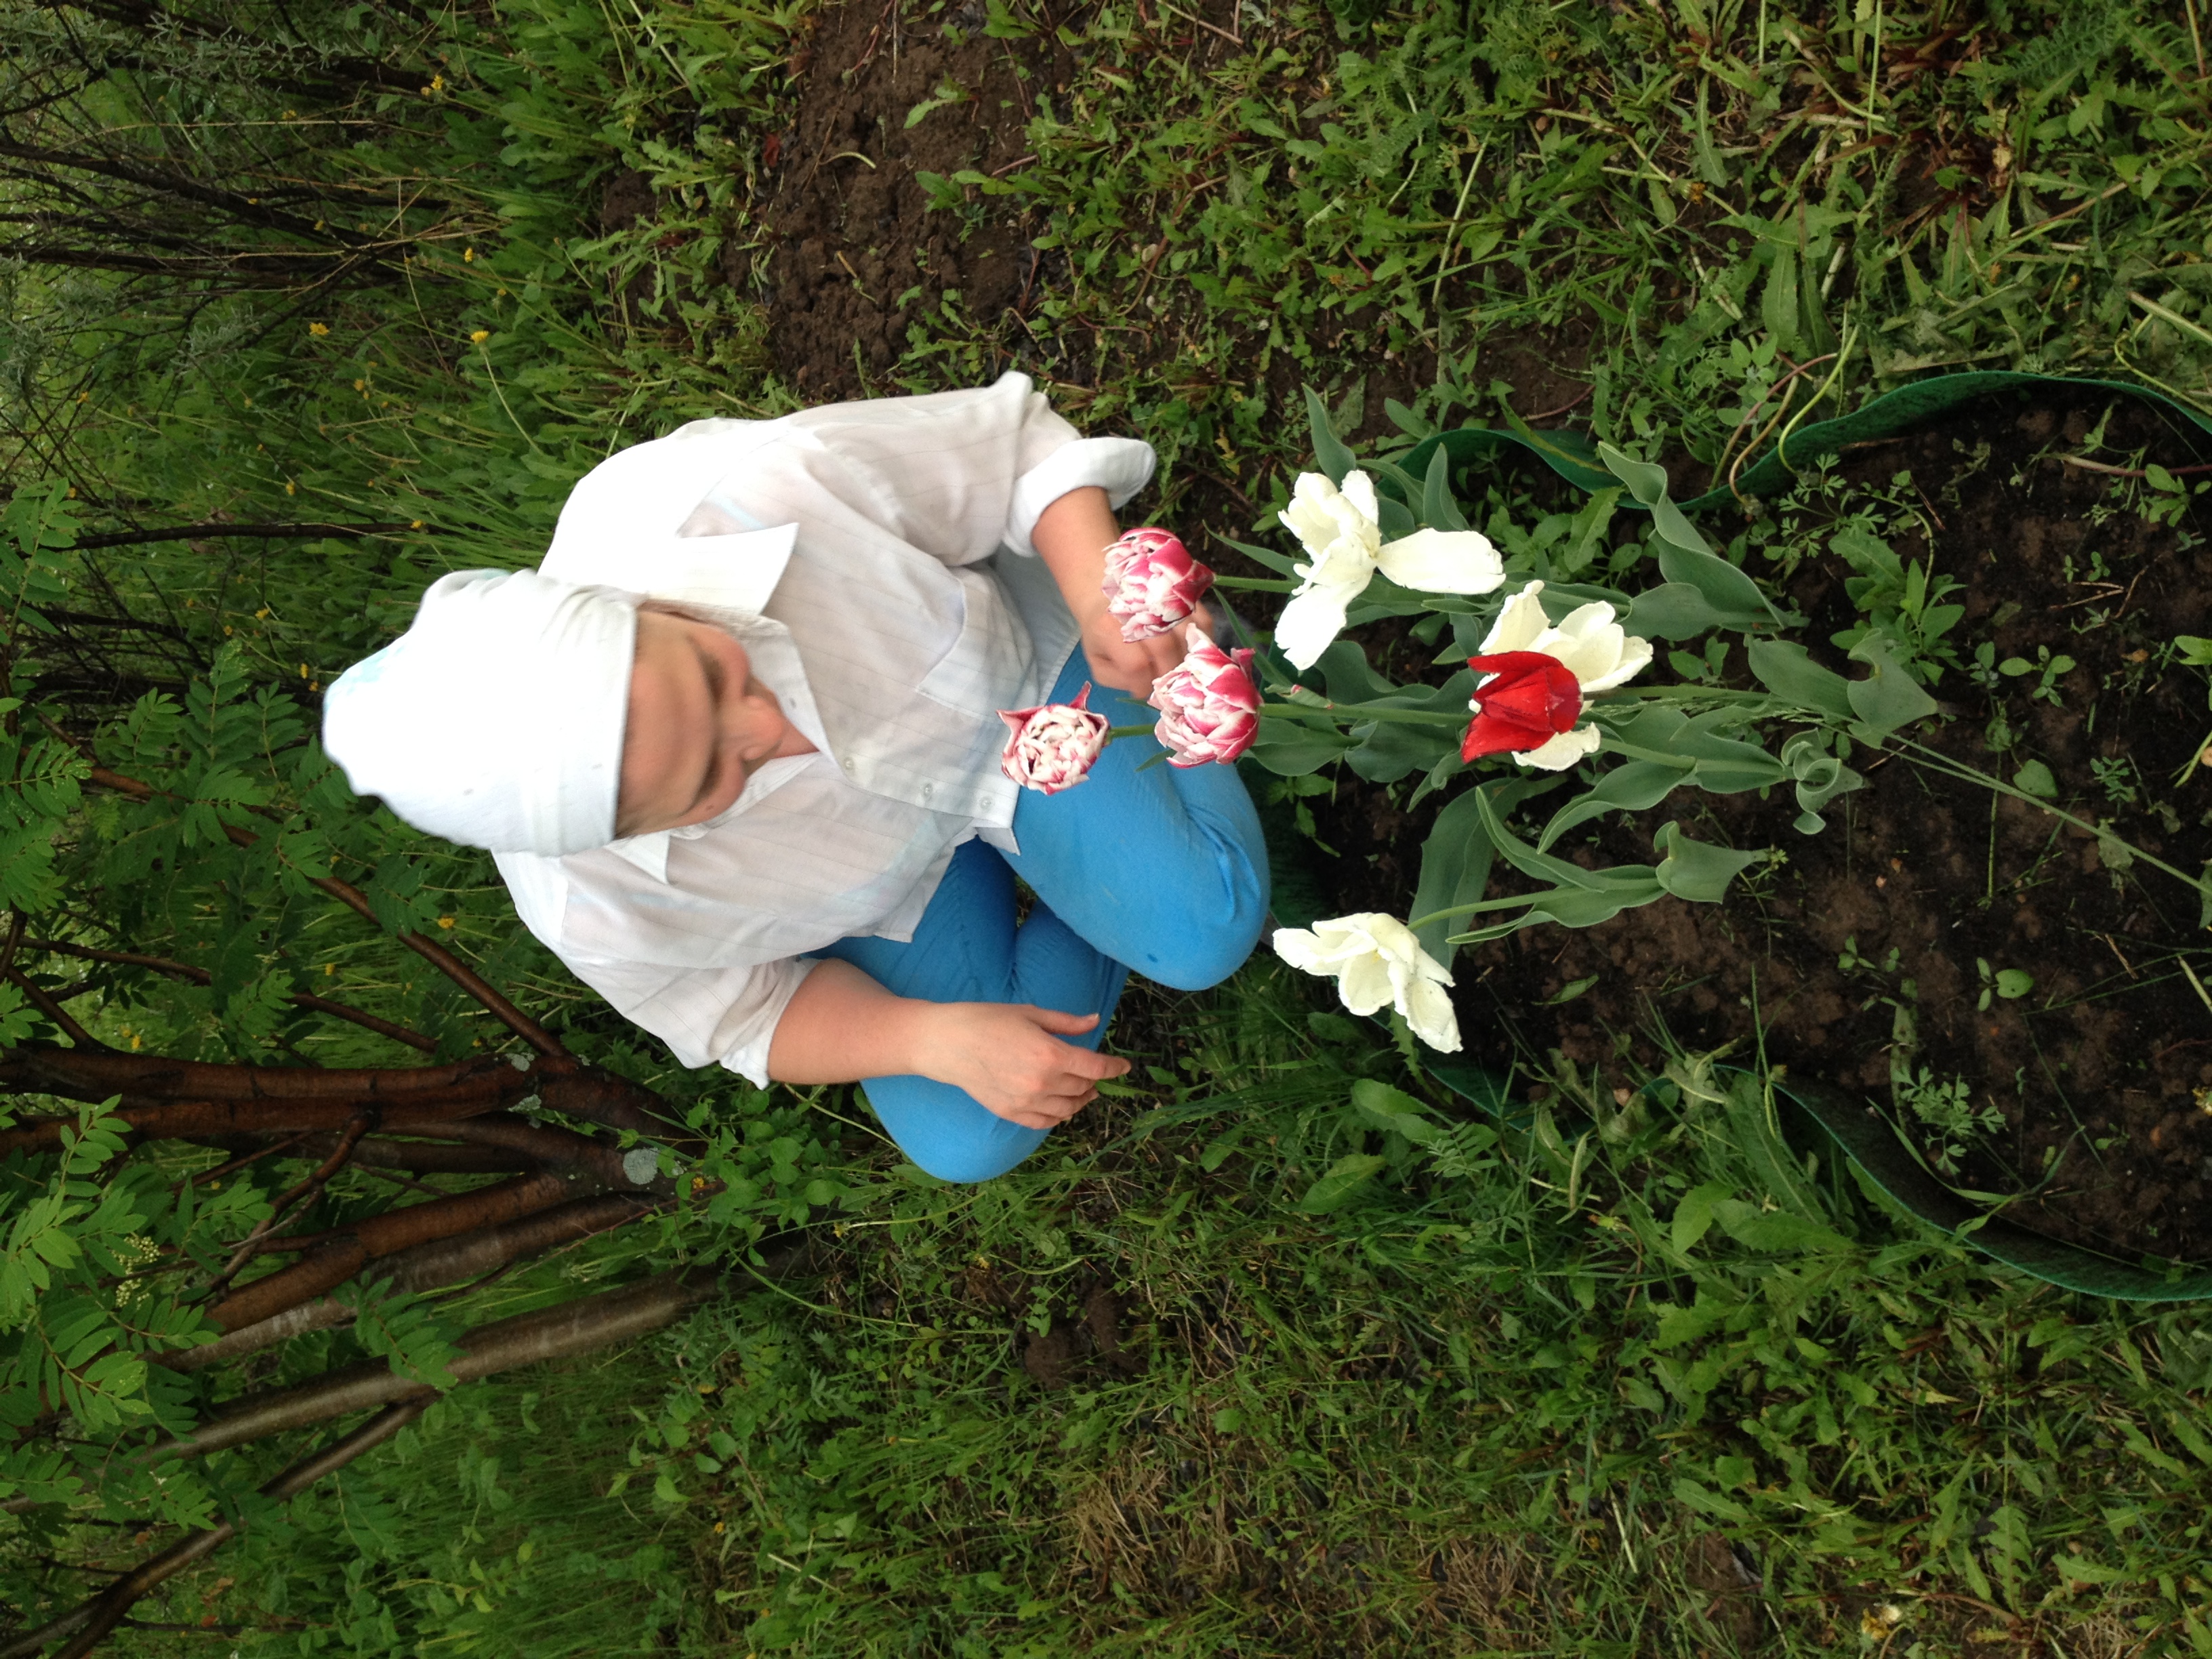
x=1895, y=948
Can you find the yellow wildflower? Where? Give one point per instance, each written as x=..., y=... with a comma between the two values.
x=319, y=329
x=479, y=336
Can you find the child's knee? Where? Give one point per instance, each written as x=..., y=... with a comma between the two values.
x=969, y=1165
x=946, y=1132
x=1208, y=950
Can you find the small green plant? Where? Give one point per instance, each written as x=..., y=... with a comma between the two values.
x=2010, y=983
x=2048, y=669
x=1905, y=603
x=1946, y=1106
x=2119, y=778
x=1850, y=962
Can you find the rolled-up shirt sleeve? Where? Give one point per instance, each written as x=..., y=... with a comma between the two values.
x=961, y=474
x=707, y=1016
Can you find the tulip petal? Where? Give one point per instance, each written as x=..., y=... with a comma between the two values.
x=1635, y=658
x=1428, y=1010
x=1518, y=623
x=1300, y=948
x=1311, y=620
x=1358, y=490
x=1563, y=750
x=1443, y=562
x=1366, y=985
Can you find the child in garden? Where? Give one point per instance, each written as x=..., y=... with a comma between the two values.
x=737, y=745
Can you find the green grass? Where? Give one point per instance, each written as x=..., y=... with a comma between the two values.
x=1519, y=1397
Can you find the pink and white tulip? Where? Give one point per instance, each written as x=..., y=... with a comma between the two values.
x=1053, y=746
x=1209, y=707
x=1152, y=583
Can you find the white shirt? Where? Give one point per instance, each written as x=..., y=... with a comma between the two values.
x=875, y=561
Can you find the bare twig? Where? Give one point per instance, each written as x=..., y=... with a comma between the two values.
x=368, y=1022
x=85, y=1626
x=373, y=1237
x=430, y=1266
x=54, y=1011
x=298, y=1197
x=352, y=898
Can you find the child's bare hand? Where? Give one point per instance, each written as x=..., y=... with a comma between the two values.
x=1128, y=667
x=1009, y=1057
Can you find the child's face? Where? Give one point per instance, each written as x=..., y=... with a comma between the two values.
x=699, y=724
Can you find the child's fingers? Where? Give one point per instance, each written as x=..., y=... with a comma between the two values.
x=1052, y=1019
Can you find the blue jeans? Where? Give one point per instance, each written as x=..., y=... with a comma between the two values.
x=1162, y=870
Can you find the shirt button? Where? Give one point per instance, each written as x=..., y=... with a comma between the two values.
x=927, y=790
x=848, y=764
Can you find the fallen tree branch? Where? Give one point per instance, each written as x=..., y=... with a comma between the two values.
x=368, y=1022
x=86, y=1626
x=588, y=1322
x=184, y=1099
x=430, y=1266
x=373, y=1237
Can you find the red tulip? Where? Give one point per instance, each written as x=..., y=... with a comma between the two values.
x=1528, y=699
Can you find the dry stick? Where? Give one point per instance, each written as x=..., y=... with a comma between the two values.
x=88, y=1624
x=577, y=1327
x=222, y=1170
x=382, y=1152
x=378, y=1236
x=54, y=1011
x=185, y=532
x=201, y=976
x=556, y=1148
x=430, y=1267
x=293, y=1201
x=177, y=1098
x=197, y=1120
x=351, y=897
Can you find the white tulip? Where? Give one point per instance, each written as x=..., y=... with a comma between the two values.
x=1588, y=642
x=1375, y=960
x=1342, y=532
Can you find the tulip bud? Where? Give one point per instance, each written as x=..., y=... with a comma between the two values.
x=1209, y=708
x=1053, y=746
x=1152, y=583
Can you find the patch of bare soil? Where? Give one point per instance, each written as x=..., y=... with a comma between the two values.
x=2100, y=1072
x=857, y=256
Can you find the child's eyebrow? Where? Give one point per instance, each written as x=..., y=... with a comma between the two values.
x=711, y=670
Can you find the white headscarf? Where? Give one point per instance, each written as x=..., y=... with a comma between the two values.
x=496, y=720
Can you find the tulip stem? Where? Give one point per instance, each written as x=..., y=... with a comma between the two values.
x=1356, y=713
x=1258, y=584
x=1113, y=732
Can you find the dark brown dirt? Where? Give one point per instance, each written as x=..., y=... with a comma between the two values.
x=2100, y=1072
x=858, y=257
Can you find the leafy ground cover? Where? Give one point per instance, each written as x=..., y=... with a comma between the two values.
x=1284, y=1351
